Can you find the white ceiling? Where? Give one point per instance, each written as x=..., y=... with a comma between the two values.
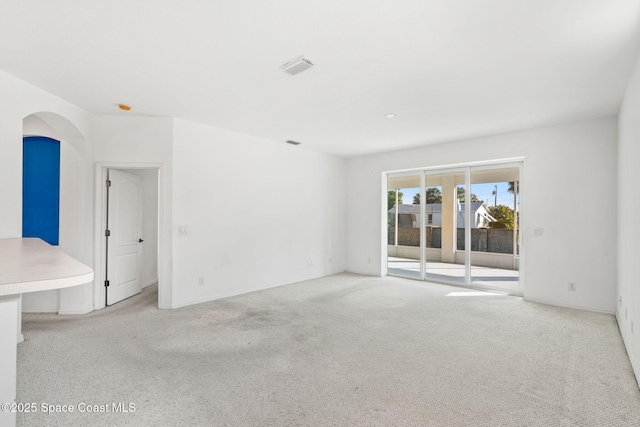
x=448, y=69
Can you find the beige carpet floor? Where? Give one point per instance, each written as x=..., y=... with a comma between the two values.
x=344, y=350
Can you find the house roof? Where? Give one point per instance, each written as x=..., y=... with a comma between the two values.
x=432, y=208
x=447, y=70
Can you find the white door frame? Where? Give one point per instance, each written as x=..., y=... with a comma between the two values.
x=99, y=241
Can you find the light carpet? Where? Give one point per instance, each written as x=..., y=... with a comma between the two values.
x=344, y=350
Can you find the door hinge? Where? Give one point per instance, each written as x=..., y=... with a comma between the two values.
x=108, y=183
x=107, y=233
x=106, y=283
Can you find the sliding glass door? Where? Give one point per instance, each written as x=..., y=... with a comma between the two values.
x=403, y=225
x=442, y=228
x=456, y=226
x=494, y=228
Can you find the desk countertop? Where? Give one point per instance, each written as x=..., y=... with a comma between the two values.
x=30, y=265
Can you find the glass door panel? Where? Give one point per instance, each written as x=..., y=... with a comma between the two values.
x=443, y=260
x=494, y=219
x=403, y=226
x=456, y=226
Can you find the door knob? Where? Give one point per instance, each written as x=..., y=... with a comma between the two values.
x=140, y=240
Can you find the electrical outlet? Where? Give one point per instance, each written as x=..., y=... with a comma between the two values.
x=183, y=230
x=631, y=326
x=538, y=231
x=201, y=281
x=369, y=260
x=572, y=286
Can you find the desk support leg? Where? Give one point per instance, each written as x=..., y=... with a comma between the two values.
x=20, y=335
x=9, y=311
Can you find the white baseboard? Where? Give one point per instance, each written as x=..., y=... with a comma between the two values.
x=361, y=273
x=635, y=367
x=40, y=310
x=72, y=312
x=577, y=307
x=151, y=282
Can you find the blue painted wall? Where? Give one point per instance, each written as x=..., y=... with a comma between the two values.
x=41, y=188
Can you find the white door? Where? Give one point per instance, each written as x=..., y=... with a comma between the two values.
x=124, y=241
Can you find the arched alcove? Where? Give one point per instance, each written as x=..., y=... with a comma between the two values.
x=57, y=127
x=75, y=190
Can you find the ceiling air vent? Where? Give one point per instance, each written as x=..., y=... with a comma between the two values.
x=297, y=66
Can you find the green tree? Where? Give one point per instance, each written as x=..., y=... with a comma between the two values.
x=503, y=215
x=461, y=197
x=391, y=198
x=511, y=187
x=434, y=195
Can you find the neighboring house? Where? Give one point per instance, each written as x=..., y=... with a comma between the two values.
x=408, y=215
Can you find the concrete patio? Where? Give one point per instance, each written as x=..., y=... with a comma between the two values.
x=441, y=272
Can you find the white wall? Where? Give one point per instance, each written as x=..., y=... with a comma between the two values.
x=258, y=212
x=628, y=307
x=69, y=124
x=568, y=189
x=130, y=143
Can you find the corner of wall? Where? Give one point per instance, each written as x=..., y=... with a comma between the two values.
x=628, y=204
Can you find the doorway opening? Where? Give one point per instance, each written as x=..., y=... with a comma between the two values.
x=457, y=226
x=127, y=231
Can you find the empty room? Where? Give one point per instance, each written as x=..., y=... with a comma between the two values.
x=320, y=213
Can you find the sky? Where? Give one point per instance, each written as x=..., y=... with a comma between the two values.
x=485, y=193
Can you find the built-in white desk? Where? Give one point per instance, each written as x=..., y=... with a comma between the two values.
x=27, y=265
